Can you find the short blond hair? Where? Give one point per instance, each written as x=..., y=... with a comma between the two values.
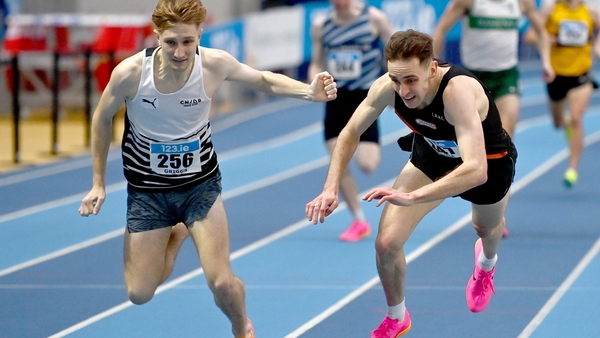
x=168, y=13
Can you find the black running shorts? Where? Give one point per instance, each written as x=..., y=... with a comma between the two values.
x=501, y=171
x=339, y=111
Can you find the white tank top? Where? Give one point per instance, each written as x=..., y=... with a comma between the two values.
x=490, y=35
x=167, y=138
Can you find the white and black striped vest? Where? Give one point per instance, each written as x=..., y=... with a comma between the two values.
x=167, y=138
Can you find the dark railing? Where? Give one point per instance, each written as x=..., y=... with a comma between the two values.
x=87, y=108
x=55, y=106
x=16, y=106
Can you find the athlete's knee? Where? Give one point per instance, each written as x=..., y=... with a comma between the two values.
x=576, y=121
x=140, y=296
x=369, y=166
x=387, y=246
x=368, y=157
x=223, y=286
x=557, y=118
x=140, y=284
x=484, y=231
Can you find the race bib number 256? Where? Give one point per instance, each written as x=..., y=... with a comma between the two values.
x=175, y=158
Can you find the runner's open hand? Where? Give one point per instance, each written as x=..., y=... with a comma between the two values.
x=322, y=206
x=387, y=194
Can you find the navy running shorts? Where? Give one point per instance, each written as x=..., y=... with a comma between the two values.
x=154, y=210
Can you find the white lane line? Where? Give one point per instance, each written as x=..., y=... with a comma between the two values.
x=560, y=292
x=551, y=162
x=56, y=203
x=282, y=176
x=63, y=251
x=54, y=169
x=271, y=143
x=533, y=175
x=257, y=111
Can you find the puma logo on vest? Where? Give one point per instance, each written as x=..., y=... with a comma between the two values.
x=150, y=102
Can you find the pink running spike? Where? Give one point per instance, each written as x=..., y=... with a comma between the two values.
x=481, y=285
x=357, y=231
x=392, y=328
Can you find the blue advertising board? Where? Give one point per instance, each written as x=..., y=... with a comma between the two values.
x=227, y=36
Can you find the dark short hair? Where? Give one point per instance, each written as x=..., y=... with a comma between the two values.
x=405, y=45
x=168, y=13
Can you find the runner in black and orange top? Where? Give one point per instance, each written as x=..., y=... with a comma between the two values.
x=459, y=149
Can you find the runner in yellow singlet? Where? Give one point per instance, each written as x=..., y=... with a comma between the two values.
x=571, y=25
